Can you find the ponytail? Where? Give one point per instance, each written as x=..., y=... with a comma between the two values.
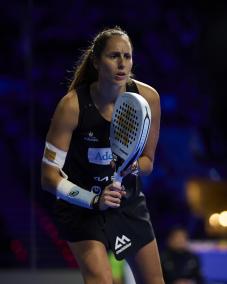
x=85, y=71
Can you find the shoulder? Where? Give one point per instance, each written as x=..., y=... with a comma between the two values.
x=67, y=111
x=147, y=91
x=69, y=102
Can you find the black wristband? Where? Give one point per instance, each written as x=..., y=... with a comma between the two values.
x=95, y=203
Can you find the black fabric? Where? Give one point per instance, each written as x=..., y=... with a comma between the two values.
x=78, y=224
x=129, y=228
x=92, y=132
x=123, y=230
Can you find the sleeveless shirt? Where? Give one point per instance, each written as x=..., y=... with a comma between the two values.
x=88, y=159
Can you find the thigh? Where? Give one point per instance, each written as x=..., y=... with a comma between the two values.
x=146, y=266
x=93, y=261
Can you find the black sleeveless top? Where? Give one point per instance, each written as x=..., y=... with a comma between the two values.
x=88, y=159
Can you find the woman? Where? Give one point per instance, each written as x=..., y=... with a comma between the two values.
x=91, y=213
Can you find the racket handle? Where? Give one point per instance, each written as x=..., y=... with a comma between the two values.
x=117, y=179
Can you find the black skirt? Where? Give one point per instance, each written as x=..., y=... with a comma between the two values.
x=123, y=230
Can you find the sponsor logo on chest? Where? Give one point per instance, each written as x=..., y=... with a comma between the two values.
x=96, y=189
x=103, y=178
x=90, y=137
x=100, y=156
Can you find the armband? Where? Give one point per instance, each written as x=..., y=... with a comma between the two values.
x=54, y=156
x=74, y=194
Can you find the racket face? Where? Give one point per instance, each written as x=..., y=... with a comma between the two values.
x=125, y=123
x=130, y=125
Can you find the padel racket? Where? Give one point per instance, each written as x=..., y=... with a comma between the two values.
x=129, y=129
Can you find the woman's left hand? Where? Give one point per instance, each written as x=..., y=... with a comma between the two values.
x=134, y=168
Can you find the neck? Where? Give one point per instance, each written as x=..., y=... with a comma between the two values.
x=106, y=93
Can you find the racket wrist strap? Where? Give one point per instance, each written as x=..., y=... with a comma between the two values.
x=95, y=203
x=117, y=178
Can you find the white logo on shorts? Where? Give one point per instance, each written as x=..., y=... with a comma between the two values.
x=122, y=244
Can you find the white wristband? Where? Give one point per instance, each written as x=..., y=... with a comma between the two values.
x=74, y=194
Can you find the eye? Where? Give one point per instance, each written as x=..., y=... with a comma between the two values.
x=114, y=55
x=128, y=56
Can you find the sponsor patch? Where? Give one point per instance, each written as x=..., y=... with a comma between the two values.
x=90, y=137
x=96, y=189
x=100, y=156
x=73, y=193
x=103, y=179
x=122, y=244
x=49, y=154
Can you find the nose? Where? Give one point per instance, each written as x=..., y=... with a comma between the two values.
x=121, y=62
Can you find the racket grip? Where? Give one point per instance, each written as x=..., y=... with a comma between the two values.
x=117, y=179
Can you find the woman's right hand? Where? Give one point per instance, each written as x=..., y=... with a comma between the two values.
x=111, y=197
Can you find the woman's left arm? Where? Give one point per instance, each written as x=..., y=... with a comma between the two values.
x=146, y=160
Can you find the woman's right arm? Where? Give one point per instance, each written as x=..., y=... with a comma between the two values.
x=63, y=123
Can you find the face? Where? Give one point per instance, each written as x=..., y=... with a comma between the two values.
x=115, y=63
x=178, y=240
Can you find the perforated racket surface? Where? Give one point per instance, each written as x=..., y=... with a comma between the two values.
x=129, y=130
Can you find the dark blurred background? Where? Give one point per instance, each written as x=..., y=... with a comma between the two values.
x=180, y=49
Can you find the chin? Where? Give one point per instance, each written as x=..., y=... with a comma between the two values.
x=120, y=82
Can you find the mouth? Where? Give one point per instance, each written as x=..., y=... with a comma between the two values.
x=120, y=76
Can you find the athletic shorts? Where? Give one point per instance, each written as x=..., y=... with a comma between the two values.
x=123, y=230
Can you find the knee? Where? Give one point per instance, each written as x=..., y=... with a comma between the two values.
x=96, y=275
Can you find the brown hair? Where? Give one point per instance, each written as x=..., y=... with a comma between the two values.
x=84, y=70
